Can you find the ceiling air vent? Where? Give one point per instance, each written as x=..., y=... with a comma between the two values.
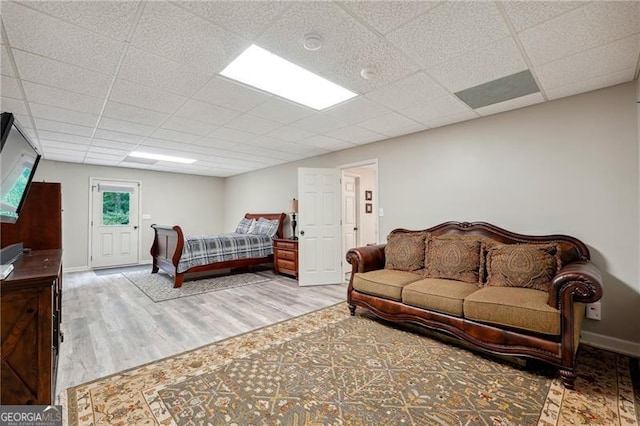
x=500, y=90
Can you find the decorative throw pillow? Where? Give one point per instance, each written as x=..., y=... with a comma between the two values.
x=245, y=225
x=453, y=258
x=405, y=251
x=523, y=265
x=266, y=227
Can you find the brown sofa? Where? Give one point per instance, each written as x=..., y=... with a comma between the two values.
x=502, y=292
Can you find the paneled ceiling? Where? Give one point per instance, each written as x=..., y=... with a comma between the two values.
x=94, y=80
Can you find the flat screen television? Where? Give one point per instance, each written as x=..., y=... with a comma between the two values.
x=18, y=162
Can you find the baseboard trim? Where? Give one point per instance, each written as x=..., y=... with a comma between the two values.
x=75, y=269
x=613, y=344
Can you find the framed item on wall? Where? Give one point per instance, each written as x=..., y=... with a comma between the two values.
x=368, y=195
x=368, y=208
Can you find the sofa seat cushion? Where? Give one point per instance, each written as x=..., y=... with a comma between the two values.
x=522, y=308
x=438, y=294
x=385, y=283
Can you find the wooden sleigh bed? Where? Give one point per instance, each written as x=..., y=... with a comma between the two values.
x=168, y=246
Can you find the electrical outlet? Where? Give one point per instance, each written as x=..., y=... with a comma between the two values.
x=594, y=311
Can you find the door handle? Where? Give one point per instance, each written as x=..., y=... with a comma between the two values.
x=355, y=228
x=301, y=232
x=135, y=226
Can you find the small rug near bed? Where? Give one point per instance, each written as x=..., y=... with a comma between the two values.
x=329, y=368
x=159, y=287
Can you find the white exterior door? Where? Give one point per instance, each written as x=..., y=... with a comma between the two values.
x=114, y=223
x=349, y=216
x=319, y=248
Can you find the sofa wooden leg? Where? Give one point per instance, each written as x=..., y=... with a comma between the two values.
x=352, y=309
x=568, y=378
x=179, y=279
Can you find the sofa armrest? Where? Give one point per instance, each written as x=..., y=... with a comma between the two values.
x=364, y=259
x=576, y=282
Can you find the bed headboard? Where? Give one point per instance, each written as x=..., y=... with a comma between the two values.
x=270, y=216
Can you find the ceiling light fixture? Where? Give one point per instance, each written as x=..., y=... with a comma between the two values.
x=312, y=41
x=161, y=157
x=260, y=68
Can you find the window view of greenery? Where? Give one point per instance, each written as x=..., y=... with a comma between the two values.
x=115, y=208
x=12, y=198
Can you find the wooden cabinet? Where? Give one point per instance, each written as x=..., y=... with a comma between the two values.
x=285, y=257
x=30, y=328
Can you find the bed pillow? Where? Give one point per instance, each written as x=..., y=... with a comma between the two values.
x=266, y=227
x=245, y=225
x=523, y=265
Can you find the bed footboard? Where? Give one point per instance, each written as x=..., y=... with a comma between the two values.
x=166, y=251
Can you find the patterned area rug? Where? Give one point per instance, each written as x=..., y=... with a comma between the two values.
x=159, y=287
x=329, y=368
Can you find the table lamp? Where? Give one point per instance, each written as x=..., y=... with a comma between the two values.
x=293, y=208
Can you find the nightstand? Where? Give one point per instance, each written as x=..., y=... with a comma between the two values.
x=285, y=257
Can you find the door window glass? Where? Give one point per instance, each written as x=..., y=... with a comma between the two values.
x=115, y=208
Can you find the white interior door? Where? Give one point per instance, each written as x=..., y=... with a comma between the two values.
x=349, y=216
x=319, y=247
x=114, y=223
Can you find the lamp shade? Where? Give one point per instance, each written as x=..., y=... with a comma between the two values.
x=293, y=206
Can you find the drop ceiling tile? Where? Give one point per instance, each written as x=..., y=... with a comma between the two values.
x=488, y=63
x=112, y=124
x=308, y=151
x=326, y=142
x=596, y=62
x=525, y=14
x=10, y=87
x=215, y=143
x=134, y=114
x=185, y=125
x=208, y=113
x=6, y=68
x=355, y=134
x=152, y=70
x=100, y=156
x=46, y=144
x=281, y=111
x=291, y=134
x=56, y=126
x=13, y=105
x=440, y=107
x=449, y=30
x=124, y=146
x=511, y=104
x=589, y=26
x=347, y=46
x=232, y=135
x=61, y=154
x=450, y=119
x=26, y=123
x=252, y=124
x=102, y=150
x=246, y=18
x=356, y=110
x=402, y=131
x=64, y=115
x=417, y=89
x=145, y=97
x=172, y=135
x=117, y=136
x=162, y=144
x=58, y=74
x=390, y=124
x=229, y=94
x=62, y=98
x=174, y=33
x=595, y=83
x=385, y=16
x=63, y=137
x=319, y=123
x=110, y=18
x=58, y=39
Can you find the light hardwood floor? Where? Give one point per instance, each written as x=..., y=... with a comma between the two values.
x=109, y=325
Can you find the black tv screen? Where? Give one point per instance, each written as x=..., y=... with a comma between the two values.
x=18, y=161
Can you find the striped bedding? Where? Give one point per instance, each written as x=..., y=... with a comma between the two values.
x=201, y=250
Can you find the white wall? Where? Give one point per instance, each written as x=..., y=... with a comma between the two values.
x=193, y=202
x=568, y=166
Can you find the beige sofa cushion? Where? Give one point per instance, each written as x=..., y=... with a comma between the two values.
x=438, y=294
x=453, y=258
x=522, y=265
x=405, y=251
x=385, y=283
x=522, y=308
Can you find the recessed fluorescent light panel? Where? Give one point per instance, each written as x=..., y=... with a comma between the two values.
x=262, y=69
x=161, y=157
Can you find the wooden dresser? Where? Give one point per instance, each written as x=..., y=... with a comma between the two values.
x=30, y=300
x=285, y=256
